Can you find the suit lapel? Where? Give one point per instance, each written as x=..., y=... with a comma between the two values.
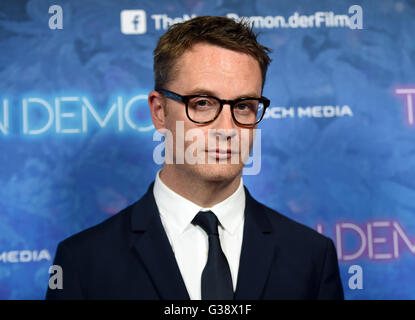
x=257, y=252
x=150, y=241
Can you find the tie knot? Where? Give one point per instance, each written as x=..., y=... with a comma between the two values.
x=208, y=221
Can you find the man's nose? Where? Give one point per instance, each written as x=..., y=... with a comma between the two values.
x=225, y=120
x=224, y=126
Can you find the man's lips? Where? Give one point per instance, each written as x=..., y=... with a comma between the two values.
x=221, y=154
x=221, y=151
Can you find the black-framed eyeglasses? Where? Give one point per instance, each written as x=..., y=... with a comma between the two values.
x=202, y=109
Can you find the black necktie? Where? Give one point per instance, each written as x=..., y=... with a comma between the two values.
x=216, y=276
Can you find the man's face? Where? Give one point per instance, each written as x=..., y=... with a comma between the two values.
x=226, y=74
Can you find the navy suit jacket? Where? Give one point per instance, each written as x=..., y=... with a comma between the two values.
x=129, y=256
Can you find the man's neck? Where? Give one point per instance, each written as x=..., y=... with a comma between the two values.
x=205, y=193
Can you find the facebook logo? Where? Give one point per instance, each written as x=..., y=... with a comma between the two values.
x=133, y=22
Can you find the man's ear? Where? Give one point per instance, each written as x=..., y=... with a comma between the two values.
x=156, y=102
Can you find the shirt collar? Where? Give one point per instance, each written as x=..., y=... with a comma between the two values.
x=181, y=211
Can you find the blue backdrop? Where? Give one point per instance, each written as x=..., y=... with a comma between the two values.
x=337, y=147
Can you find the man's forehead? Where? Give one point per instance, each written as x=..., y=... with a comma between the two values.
x=208, y=58
x=211, y=51
x=208, y=91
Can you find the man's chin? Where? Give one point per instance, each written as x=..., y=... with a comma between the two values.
x=217, y=172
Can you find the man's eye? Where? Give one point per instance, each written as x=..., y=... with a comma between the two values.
x=203, y=103
x=246, y=106
x=242, y=106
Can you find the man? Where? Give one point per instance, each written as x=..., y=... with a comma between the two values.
x=197, y=233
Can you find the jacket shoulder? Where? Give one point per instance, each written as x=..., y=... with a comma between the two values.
x=289, y=228
x=107, y=231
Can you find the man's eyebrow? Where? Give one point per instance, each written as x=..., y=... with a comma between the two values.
x=211, y=93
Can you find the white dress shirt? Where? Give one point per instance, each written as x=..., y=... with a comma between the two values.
x=190, y=243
